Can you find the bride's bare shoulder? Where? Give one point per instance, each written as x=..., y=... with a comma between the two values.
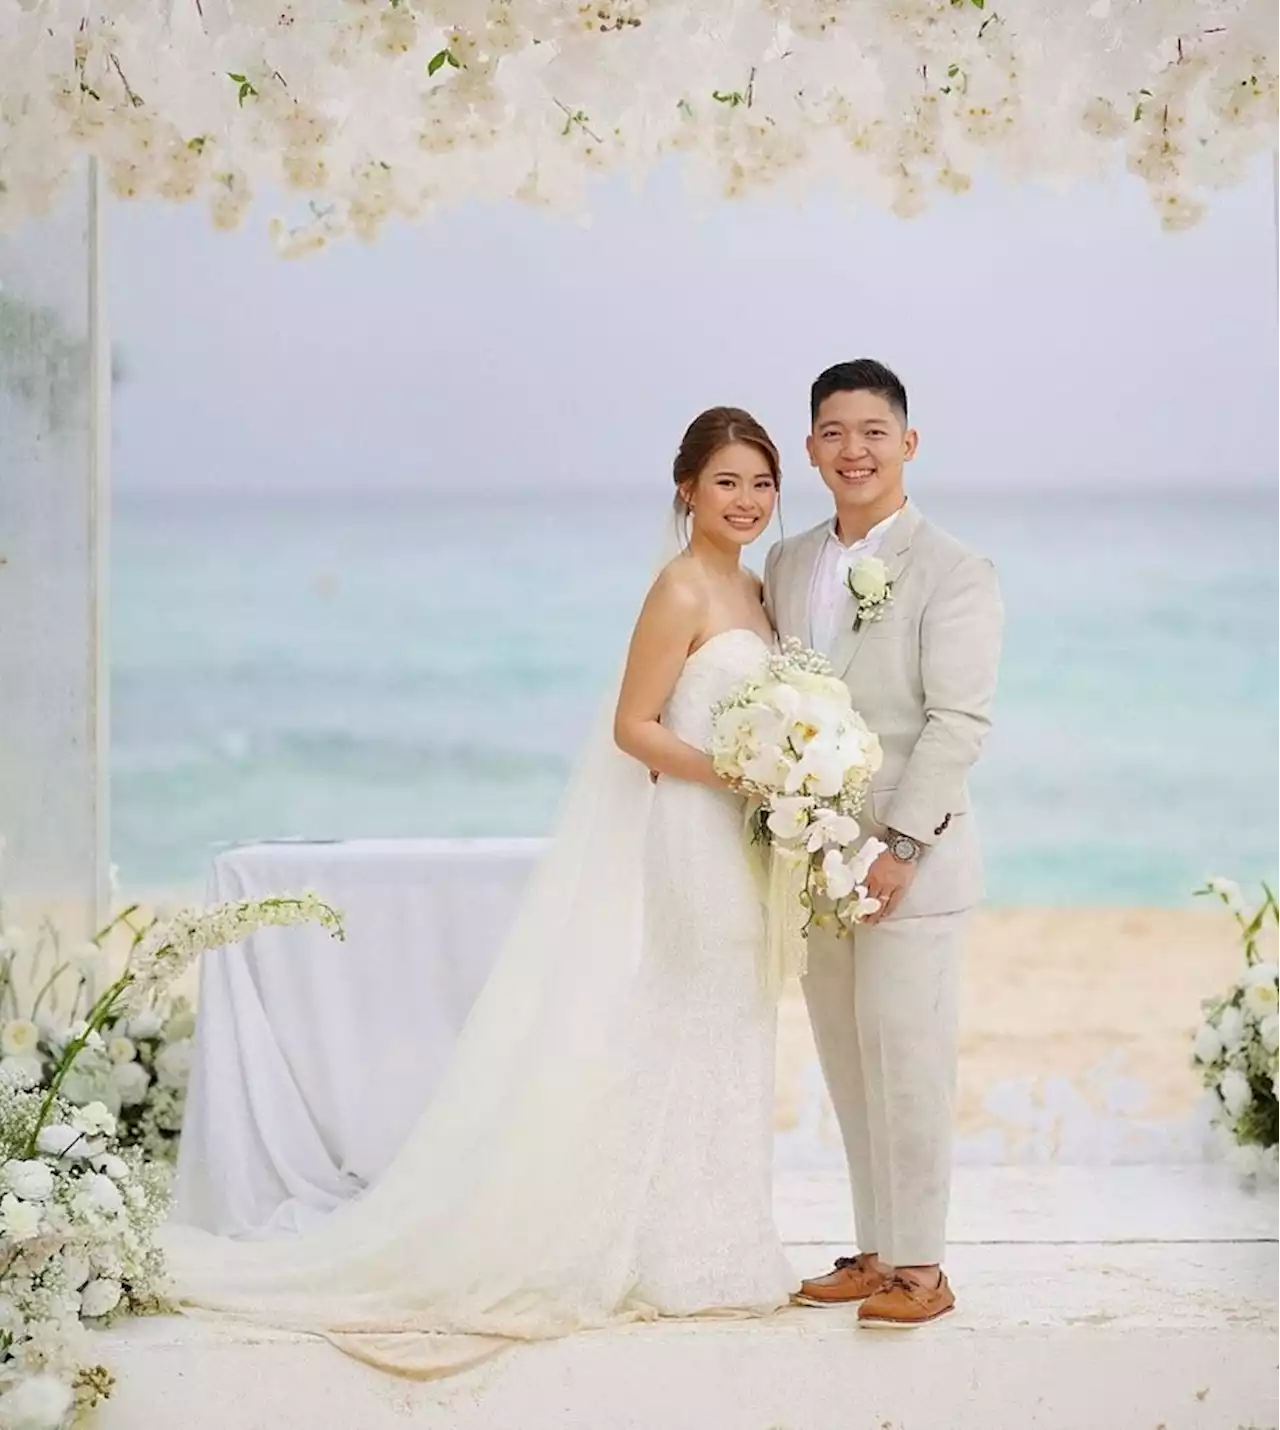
x=680, y=587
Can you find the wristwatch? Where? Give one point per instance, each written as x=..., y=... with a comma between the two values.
x=903, y=848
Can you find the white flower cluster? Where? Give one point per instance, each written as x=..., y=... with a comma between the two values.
x=792, y=740
x=366, y=110
x=1236, y=1046
x=171, y=945
x=136, y=1066
x=77, y=1245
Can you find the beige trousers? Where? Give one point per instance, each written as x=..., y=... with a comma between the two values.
x=884, y=1008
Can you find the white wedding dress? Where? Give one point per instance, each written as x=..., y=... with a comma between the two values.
x=600, y=1148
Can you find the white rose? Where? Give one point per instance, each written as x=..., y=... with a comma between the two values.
x=1235, y=1092
x=147, y=1024
x=19, y=1038
x=93, y=1119
x=99, y=1297
x=869, y=579
x=19, y=1220
x=22, y=1072
x=131, y=1081
x=1208, y=1045
x=1262, y=1000
x=37, y=1402
x=181, y=1024
x=31, y=1180
x=173, y=1064
x=75, y=1268
x=59, y=1140
x=121, y=1050
x=112, y=1166
x=1231, y=1027
x=103, y=1193
x=1269, y=1032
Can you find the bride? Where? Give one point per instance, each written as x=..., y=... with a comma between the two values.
x=600, y=1148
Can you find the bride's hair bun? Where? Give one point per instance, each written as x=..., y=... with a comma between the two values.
x=711, y=430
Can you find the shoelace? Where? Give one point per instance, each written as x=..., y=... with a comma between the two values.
x=913, y=1289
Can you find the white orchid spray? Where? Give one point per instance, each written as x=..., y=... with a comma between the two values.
x=791, y=740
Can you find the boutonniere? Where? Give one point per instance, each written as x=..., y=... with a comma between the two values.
x=871, y=587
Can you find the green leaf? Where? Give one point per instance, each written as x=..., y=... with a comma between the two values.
x=239, y=78
x=979, y=4
x=952, y=71
x=197, y=144
x=438, y=62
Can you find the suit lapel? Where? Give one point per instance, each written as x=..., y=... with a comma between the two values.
x=895, y=553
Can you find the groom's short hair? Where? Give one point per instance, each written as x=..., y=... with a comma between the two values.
x=860, y=375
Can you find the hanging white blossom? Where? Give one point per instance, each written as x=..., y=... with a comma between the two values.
x=369, y=109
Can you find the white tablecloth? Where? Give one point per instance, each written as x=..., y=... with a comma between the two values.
x=313, y=1058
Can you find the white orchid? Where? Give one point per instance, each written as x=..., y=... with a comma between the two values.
x=837, y=875
x=820, y=770
x=829, y=826
x=789, y=816
x=94, y=1120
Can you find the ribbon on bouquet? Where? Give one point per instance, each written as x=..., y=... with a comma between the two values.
x=780, y=878
x=786, y=950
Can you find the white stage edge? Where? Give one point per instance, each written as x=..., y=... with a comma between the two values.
x=1121, y=1298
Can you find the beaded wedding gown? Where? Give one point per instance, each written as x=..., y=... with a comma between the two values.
x=600, y=1148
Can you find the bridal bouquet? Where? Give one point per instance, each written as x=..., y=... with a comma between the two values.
x=791, y=740
x=1235, y=1048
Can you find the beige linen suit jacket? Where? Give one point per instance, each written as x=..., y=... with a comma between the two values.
x=923, y=677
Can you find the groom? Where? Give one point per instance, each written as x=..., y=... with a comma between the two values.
x=911, y=621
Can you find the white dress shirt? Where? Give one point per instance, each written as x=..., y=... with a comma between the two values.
x=831, y=605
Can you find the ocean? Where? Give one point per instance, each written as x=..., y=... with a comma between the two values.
x=425, y=664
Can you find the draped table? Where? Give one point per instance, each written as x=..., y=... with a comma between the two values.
x=313, y=1058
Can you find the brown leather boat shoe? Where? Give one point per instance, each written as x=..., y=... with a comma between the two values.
x=904, y=1303
x=854, y=1279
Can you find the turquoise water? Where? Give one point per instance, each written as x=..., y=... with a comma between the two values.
x=408, y=665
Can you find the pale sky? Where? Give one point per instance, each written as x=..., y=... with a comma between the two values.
x=1045, y=340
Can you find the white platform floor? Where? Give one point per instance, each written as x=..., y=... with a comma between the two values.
x=1120, y=1298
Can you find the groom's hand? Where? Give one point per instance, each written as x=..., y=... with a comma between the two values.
x=888, y=880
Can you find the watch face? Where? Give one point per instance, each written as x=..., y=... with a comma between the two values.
x=904, y=848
